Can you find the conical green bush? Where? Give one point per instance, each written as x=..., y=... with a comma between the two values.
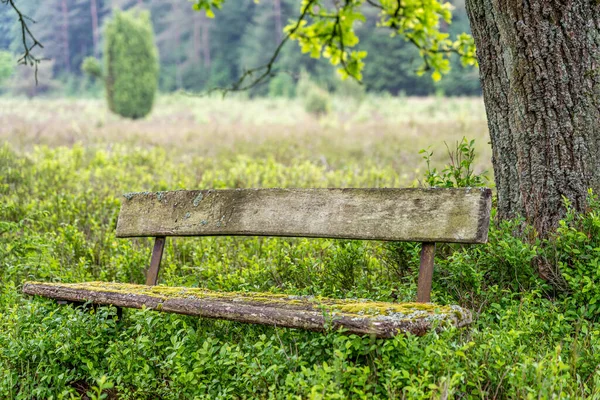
x=131, y=64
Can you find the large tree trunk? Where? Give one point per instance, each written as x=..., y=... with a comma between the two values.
x=539, y=63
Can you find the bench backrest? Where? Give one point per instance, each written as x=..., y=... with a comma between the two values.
x=416, y=215
x=420, y=215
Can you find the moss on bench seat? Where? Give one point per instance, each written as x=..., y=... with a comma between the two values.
x=307, y=312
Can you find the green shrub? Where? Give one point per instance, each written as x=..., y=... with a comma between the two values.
x=480, y=274
x=350, y=89
x=282, y=86
x=573, y=256
x=304, y=84
x=92, y=67
x=317, y=101
x=131, y=64
x=459, y=172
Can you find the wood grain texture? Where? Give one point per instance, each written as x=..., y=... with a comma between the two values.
x=426, y=272
x=426, y=215
x=382, y=320
x=157, y=253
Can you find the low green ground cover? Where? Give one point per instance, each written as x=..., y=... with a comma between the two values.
x=58, y=211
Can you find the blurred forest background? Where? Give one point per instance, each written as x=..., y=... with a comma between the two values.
x=198, y=53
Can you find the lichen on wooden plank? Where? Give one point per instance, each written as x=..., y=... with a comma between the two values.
x=425, y=215
x=305, y=312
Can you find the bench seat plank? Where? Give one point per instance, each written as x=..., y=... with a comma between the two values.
x=380, y=319
x=417, y=215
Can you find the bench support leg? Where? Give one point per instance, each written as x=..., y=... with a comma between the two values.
x=157, y=252
x=425, y=272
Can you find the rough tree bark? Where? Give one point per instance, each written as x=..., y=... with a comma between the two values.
x=539, y=67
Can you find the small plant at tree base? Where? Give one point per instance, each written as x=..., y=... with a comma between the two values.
x=575, y=251
x=131, y=64
x=459, y=173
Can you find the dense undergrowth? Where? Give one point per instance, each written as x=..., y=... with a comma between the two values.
x=58, y=212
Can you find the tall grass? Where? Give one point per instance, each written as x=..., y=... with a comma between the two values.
x=382, y=131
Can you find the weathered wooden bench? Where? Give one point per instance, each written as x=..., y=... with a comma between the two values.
x=420, y=215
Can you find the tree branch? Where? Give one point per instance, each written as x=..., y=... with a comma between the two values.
x=268, y=67
x=332, y=36
x=28, y=58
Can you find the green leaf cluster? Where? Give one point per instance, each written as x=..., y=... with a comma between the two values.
x=208, y=6
x=459, y=171
x=92, y=67
x=330, y=32
x=575, y=255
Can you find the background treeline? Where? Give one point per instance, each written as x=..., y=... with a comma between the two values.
x=198, y=53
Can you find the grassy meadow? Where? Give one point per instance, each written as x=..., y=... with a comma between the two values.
x=382, y=132
x=64, y=164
